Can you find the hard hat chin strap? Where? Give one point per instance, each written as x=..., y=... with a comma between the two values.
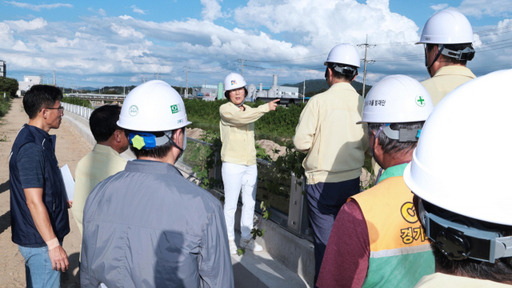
x=439, y=52
x=403, y=134
x=458, y=241
x=182, y=149
x=465, y=54
x=347, y=71
x=376, y=138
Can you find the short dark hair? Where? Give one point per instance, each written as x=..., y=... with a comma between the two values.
x=391, y=145
x=500, y=271
x=39, y=96
x=103, y=122
x=157, y=152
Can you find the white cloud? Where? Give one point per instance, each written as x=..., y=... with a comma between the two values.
x=440, y=7
x=22, y=25
x=20, y=46
x=285, y=37
x=330, y=23
x=137, y=10
x=211, y=10
x=479, y=8
x=296, y=35
x=6, y=35
x=127, y=32
x=38, y=7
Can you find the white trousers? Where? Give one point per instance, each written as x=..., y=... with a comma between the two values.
x=235, y=178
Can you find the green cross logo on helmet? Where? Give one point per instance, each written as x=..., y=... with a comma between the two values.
x=420, y=101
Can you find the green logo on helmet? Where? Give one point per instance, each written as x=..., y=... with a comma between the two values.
x=175, y=109
x=133, y=111
x=420, y=101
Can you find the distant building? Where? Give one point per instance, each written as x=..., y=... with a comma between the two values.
x=286, y=94
x=3, y=71
x=205, y=92
x=28, y=81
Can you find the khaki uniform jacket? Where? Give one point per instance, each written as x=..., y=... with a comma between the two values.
x=101, y=162
x=328, y=132
x=237, y=133
x=445, y=80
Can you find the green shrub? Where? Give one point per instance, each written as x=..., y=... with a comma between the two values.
x=8, y=85
x=5, y=104
x=77, y=101
x=278, y=126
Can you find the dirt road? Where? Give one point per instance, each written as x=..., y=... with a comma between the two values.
x=70, y=148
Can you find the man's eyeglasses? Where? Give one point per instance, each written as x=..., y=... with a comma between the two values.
x=60, y=108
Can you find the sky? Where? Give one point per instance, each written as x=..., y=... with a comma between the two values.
x=194, y=42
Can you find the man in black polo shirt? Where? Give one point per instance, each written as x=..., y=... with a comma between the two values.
x=39, y=216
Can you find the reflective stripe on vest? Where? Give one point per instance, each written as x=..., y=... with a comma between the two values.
x=400, y=253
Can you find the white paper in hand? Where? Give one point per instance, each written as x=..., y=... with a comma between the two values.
x=68, y=181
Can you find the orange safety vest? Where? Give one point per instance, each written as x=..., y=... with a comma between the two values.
x=400, y=253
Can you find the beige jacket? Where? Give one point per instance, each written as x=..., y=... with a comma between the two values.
x=237, y=133
x=445, y=80
x=328, y=132
x=101, y=162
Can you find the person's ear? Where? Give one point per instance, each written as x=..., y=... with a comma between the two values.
x=43, y=112
x=118, y=135
x=176, y=135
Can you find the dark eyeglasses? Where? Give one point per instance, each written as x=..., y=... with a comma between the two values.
x=60, y=108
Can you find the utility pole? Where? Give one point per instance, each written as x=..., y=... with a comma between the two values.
x=242, y=66
x=366, y=61
x=304, y=90
x=186, y=83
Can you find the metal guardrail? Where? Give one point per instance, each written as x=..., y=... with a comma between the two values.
x=78, y=110
x=91, y=96
x=294, y=220
x=293, y=217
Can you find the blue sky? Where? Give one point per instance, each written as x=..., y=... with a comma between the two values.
x=105, y=43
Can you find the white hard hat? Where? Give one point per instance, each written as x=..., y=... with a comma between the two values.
x=448, y=26
x=344, y=54
x=397, y=99
x=462, y=163
x=153, y=106
x=234, y=81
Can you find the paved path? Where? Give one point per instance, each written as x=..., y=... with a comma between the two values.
x=70, y=148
